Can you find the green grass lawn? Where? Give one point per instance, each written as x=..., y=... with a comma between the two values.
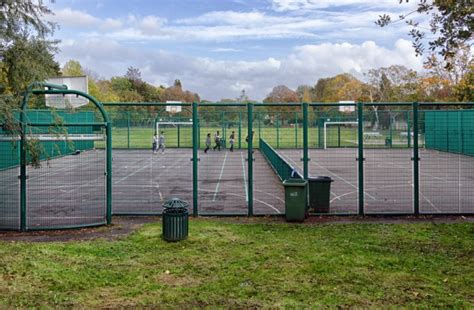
x=235, y=265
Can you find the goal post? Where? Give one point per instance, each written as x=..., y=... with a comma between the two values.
x=175, y=138
x=328, y=124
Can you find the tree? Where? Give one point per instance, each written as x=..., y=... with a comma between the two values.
x=23, y=20
x=451, y=25
x=26, y=61
x=72, y=68
x=281, y=94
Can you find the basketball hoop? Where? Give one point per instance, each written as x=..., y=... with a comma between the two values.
x=62, y=101
x=173, y=109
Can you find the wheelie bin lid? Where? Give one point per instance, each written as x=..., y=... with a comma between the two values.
x=294, y=182
x=321, y=179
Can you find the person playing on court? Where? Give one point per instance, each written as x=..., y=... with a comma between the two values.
x=231, y=141
x=161, y=142
x=208, y=142
x=155, y=143
x=217, y=140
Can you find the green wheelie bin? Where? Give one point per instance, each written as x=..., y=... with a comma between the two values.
x=295, y=199
x=319, y=193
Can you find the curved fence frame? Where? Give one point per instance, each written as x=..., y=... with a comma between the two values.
x=40, y=88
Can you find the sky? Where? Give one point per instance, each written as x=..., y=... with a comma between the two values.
x=217, y=48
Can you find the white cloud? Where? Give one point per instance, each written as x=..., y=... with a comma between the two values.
x=215, y=79
x=73, y=18
x=298, y=5
x=111, y=24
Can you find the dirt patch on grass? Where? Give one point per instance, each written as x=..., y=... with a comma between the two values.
x=124, y=225
x=121, y=227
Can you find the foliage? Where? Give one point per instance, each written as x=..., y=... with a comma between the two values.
x=451, y=25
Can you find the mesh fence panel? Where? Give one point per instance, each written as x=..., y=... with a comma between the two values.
x=277, y=126
x=145, y=176
x=388, y=168
x=68, y=189
x=222, y=166
x=333, y=143
x=9, y=182
x=446, y=162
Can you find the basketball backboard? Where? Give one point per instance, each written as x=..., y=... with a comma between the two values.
x=68, y=101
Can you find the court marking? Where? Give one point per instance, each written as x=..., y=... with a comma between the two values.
x=245, y=179
x=220, y=177
x=258, y=200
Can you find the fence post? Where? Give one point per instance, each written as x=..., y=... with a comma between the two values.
x=305, y=140
x=195, y=158
x=108, y=131
x=178, y=134
x=360, y=114
x=416, y=158
x=240, y=130
x=128, y=129
x=296, y=130
x=23, y=168
x=408, y=129
x=250, y=157
x=278, y=131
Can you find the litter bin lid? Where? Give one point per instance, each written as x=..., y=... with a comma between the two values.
x=321, y=179
x=176, y=203
x=294, y=182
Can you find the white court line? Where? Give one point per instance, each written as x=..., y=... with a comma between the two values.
x=260, y=191
x=245, y=179
x=133, y=173
x=257, y=200
x=337, y=176
x=220, y=177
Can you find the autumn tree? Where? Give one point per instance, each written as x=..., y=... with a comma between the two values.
x=451, y=26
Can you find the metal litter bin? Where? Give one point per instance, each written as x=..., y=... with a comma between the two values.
x=320, y=193
x=388, y=142
x=175, y=219
x=295, y=199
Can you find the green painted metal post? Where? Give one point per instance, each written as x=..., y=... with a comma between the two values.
x=108, y=131
x=23, y=168
x=240, y=130
x=250, y=158
x=408, y=130
x=296, y=130
x=416, y=158
x=278, y=131
x=259, y=126
x=178, y=134
x=360, y=116
x=338, y=135
x=195, y=158
x=320, y=133
x=305, y=141
x=390, y=131
x=128, y=129
x=222, y=127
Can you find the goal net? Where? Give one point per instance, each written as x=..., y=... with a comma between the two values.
x=176, y=133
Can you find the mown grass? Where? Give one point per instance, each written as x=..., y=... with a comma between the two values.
x=249, y=265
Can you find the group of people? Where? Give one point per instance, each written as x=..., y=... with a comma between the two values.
x=159, y=142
